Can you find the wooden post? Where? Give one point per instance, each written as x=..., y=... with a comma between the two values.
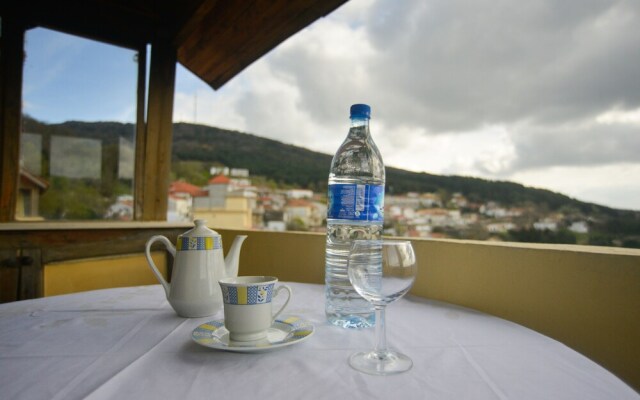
x=11, y=62
x=159, y=133
x=110, y=148
x=141, y=134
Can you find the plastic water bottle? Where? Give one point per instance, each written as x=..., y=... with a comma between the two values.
x=355, y=211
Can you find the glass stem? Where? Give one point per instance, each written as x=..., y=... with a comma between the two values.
x=381, y=333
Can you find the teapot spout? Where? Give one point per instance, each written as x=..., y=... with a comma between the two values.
x=233, y=257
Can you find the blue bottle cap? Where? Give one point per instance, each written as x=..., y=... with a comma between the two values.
x=360, y=111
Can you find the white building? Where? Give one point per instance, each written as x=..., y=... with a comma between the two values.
x=545, y=224
x=310, y=213
x=579, y=227
x=501, y=227
x=299, y=194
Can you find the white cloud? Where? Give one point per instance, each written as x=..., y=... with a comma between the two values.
x=616, y=117
x=200, y=104
x=612, y=185
x=544, y=93
x=476, y=153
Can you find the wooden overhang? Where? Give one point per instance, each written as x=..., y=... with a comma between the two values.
x=214, y=39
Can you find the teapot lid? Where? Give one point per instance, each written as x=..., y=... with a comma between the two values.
x=200, y=230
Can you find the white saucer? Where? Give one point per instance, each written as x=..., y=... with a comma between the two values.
x=284, y=332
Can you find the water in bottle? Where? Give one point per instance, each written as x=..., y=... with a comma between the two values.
x=355, y=211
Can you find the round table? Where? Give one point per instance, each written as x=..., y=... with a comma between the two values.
x=129, y=343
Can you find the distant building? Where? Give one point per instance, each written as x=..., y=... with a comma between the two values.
x=459, y=200
x=430, y=200
x=231, y=172
x=122, y=209
x=239, y=172
x=181, y=195
x=492, y=209
x=273, y=220
x=403, y=201
x=579, y=227
x=223, y=207
x=311, y=214
x=299, y=194
x=423, y=230
x=396, y=212
x=184, y=189
x=213, y=171
x=279, y=226
x=30, y=188
x=501, y=227
x=214, y=194
x=438, y=217
x=545, y=224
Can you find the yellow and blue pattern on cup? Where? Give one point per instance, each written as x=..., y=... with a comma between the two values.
x=198, y=243
x=246, y=295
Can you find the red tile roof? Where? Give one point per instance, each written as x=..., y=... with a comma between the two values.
x=298, y=203
x=219, y=180
x=26, y=177
x=184, y=187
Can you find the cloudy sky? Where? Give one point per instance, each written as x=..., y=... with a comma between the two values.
x=544, y=93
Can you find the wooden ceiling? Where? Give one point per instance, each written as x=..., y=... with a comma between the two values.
x=214, y=39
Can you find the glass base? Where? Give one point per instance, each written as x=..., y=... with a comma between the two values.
x=380, y=363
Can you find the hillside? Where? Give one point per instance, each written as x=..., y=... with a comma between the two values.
x=197, y=147
x=297, y=166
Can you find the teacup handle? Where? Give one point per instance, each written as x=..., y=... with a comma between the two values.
x=278, y=289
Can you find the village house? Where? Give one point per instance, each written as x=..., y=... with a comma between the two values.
x=225, y=204
x=310, y=214
x=30, y=188
x=181, y=195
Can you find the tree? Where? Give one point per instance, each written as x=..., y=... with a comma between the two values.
x=297, y=224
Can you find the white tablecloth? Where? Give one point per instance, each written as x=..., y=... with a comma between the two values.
x=129, y=344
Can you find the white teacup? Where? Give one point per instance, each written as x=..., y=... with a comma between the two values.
x=247, y=306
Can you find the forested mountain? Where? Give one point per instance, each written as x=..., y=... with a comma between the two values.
x=287, y=164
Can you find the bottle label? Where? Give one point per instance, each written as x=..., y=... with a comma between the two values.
x=356, y=202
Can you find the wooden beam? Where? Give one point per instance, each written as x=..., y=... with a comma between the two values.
x=158, y=141
x=81, y=242
x=118, y=23
x=11, y=62
x=222, y=38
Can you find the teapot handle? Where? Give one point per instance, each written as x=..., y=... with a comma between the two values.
x=152, y=265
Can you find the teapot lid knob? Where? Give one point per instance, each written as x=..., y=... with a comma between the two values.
x=200, y=230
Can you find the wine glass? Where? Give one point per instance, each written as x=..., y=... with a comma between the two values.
x=381, y=271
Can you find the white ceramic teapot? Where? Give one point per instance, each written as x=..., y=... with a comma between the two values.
x=198, y=266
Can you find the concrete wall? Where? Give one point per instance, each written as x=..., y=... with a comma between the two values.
x=102, y=272
x=586, y=297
